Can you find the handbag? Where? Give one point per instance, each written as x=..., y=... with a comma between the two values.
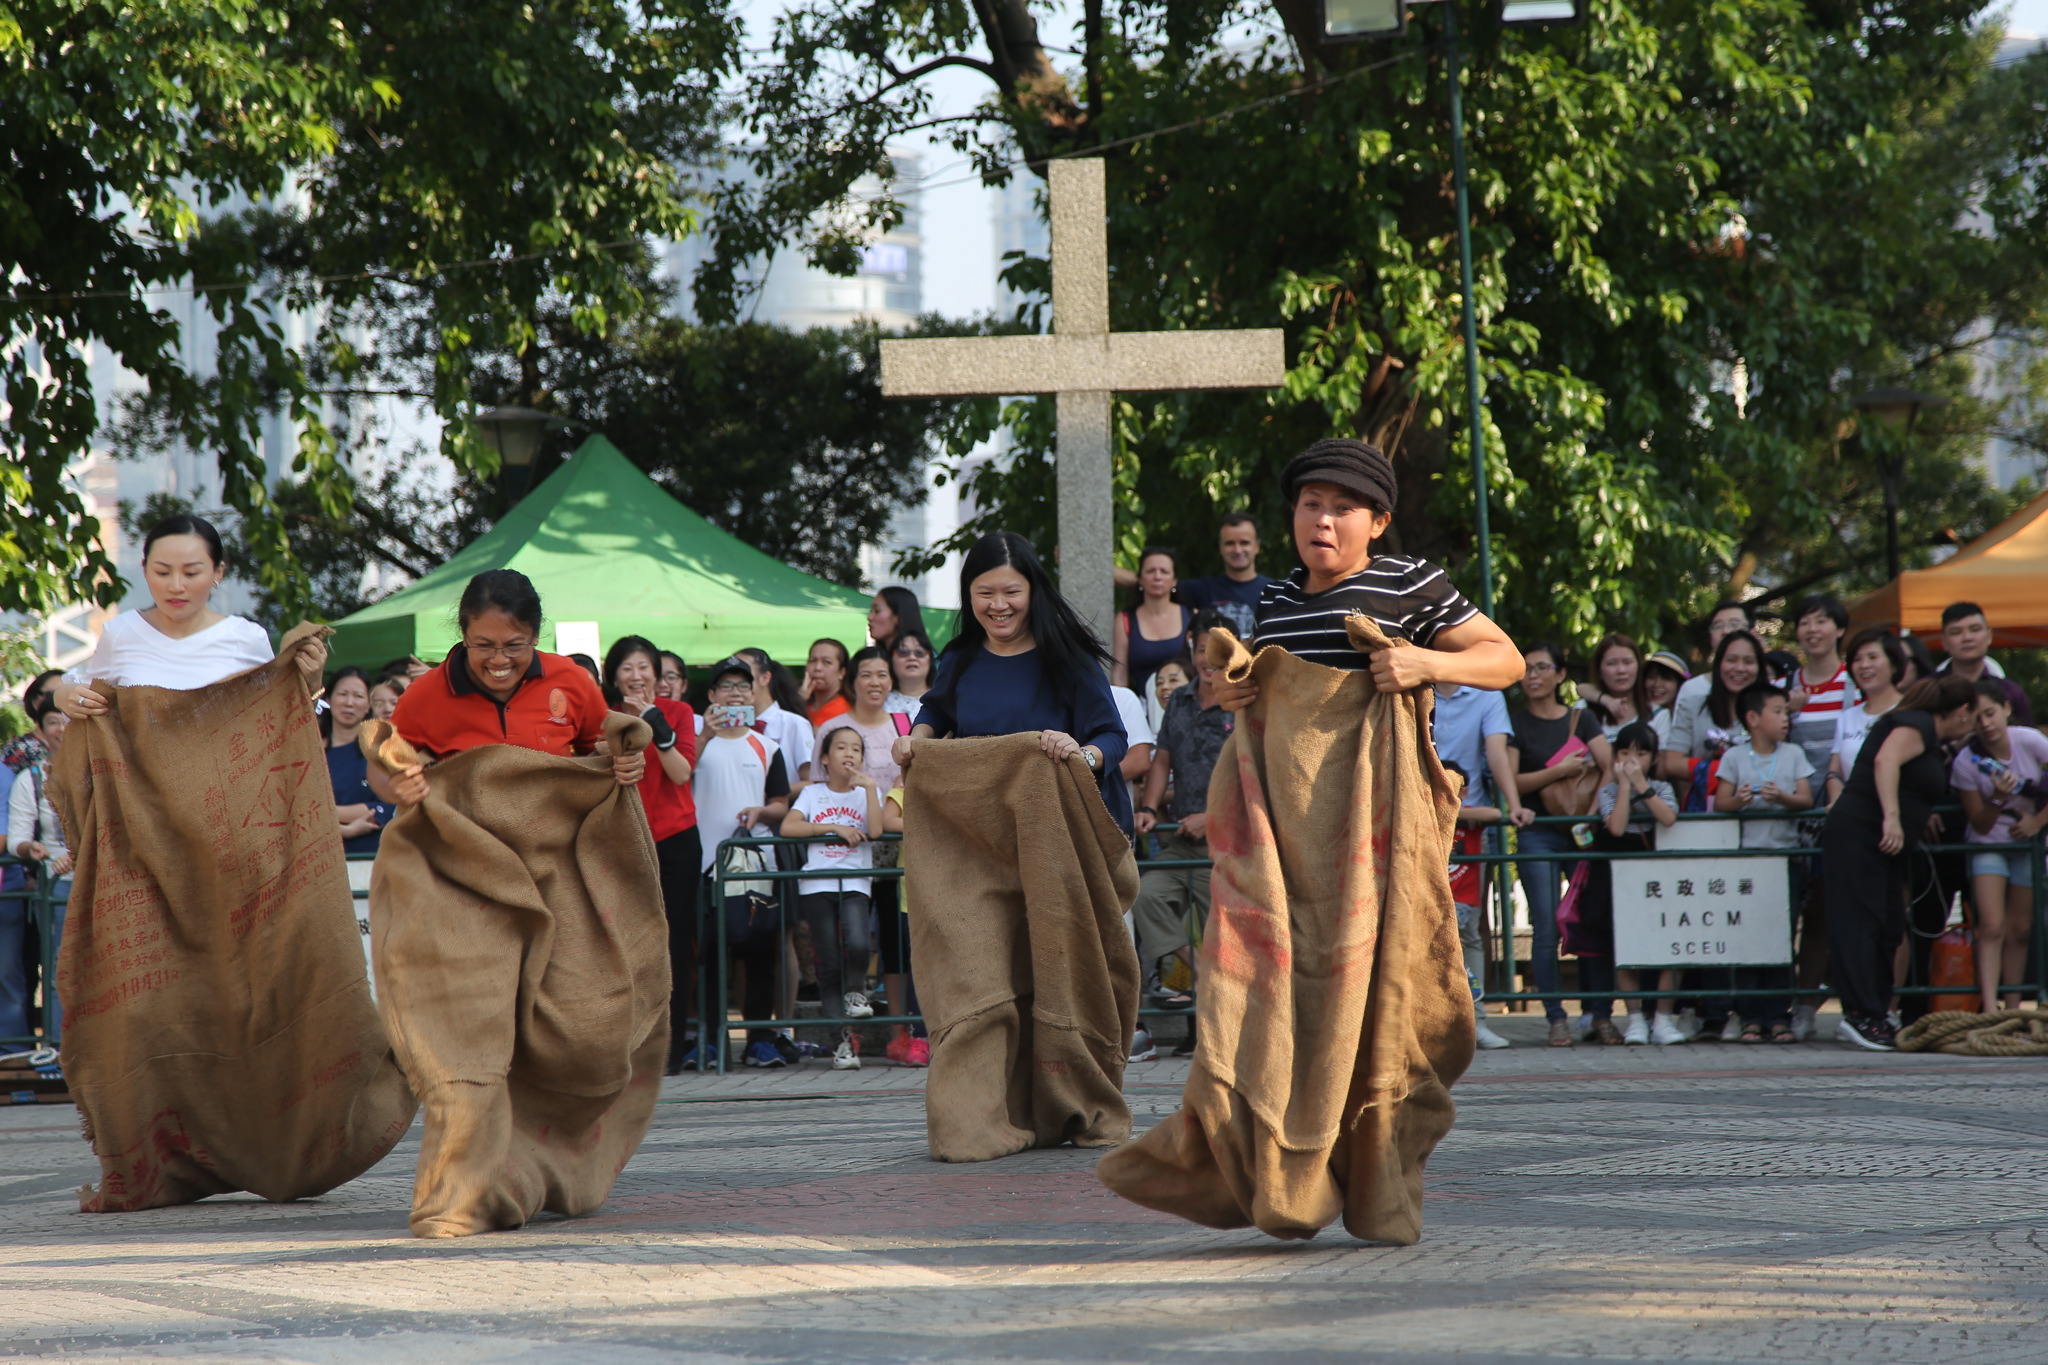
x=739, y=861
x=1574, y=795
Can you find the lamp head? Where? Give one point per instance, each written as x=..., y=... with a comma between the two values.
x=1355, y=21
x=1894, y=406
x=514, y=433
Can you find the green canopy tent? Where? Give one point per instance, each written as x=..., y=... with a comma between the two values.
x=607, y=546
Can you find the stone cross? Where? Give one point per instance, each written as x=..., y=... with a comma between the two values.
x=1082, y=363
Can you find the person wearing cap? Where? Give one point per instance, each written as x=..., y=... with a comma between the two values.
x=742, y=788
x=1664, y=673
x=1342, y=492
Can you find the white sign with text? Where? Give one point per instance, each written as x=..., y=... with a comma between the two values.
x=1673, y=912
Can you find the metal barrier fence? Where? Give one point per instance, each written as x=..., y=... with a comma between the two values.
x=721, y=877
x=714, y=979
x=1499, y=906
x=1501, y=961
x=39, y=904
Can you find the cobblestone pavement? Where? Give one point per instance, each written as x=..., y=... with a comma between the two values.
x=1709, y=1203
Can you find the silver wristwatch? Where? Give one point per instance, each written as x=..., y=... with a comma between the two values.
x=1088, y=757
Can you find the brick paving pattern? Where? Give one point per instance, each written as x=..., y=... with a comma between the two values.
x=1711, y=1203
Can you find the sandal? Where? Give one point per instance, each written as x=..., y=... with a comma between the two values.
x=1561, y=1034
x=1782, y=1033
x=1752, y=1033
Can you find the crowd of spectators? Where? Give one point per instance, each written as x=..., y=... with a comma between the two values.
x=1784, y=740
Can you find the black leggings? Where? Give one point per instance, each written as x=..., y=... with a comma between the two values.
x=839, y=932
x=680, y=858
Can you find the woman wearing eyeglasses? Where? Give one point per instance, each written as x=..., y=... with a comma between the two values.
x=910, y=672
x=522, y=952
x=496, y=687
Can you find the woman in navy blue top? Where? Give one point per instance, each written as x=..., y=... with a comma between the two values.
x=1023, y=661
x=363, y=813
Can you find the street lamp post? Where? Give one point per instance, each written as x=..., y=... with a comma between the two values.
x=1353, y=20
x=1899, y=410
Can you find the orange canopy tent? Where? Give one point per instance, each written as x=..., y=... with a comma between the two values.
x=2004, y=571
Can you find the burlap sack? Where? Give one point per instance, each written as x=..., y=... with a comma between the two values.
x=1334, y=1013
x=218, y=1029
x=1017, y=881
x=522, y=968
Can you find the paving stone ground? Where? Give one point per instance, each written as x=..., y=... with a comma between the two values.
x=1804, y=1204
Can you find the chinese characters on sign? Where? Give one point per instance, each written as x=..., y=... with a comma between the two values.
x=1682, y=911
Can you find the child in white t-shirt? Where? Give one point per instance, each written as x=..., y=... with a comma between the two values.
x=846, y=809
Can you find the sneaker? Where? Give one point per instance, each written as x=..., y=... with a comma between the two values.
x=1860, y=1031
x=1141, y=1046
x=1892, y=1017
x=1488, y=1038
x=846, y=1057
x=1666, y=1032
x=1582, y=1026
x=899, y=1049
x=692, y=1059
x=1637, y=1034
x=920, y=1053
x=764, y=1055
x=785, y=1047
x=857, y=1006
x=1802, y=1022
x=808, y=1049
x=1605, y=1033
x=1731, y=1032
x=1689, y=1023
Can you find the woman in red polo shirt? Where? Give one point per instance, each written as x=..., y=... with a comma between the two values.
x=497, y=688
x=633, y=675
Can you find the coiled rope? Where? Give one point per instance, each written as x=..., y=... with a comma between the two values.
x=2002, y=1033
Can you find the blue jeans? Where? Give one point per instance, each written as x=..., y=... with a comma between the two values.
x=1541, y=880
x=17, y=935
x=14, y=941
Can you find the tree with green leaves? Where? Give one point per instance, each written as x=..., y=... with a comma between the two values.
x=477, y=156
x=779, y=436
x=1699, y=232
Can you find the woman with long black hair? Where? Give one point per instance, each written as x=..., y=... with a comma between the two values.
x=1024, y=660
x=893, y=614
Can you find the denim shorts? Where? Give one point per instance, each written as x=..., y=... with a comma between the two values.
x=2016, y=868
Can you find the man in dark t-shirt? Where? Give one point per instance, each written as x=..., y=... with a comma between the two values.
x=1966, y=635
x=1236, y=591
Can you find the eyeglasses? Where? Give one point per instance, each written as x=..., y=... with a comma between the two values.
x=1541, y=668
x=906, y=653
x=511, y=651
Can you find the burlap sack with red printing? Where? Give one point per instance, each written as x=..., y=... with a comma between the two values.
x=218, y=1029
x=1334, y=1013
x=521, y=951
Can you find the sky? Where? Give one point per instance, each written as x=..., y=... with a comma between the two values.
x=959, y=242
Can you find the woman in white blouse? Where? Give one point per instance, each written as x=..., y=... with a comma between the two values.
x=177, y=642
x=1877, y=664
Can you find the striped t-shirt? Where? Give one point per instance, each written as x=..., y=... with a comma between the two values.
x=1813, y=726
x=1409, y=599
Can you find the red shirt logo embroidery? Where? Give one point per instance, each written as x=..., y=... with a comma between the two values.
x=558, y=707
